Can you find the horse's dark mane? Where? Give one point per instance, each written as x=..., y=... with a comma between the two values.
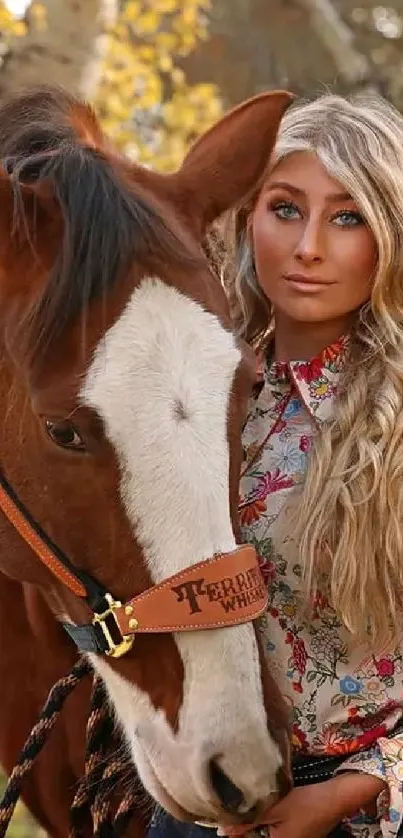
x=107, y=227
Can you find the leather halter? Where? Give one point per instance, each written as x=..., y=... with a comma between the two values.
x=225, y=590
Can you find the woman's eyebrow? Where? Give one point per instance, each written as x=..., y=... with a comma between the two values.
x=282, y=184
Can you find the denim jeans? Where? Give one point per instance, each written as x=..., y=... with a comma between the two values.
x=165, y=826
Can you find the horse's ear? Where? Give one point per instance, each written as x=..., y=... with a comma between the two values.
x=229, y=159
x=86, y=125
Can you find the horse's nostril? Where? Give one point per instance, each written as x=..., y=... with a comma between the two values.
x=227, y=792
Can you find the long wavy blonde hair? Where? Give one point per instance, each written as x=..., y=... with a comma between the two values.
x=350, y=515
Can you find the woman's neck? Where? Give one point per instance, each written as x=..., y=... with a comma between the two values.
x=296, y=341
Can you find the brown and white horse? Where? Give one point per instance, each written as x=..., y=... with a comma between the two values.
x=123, y=393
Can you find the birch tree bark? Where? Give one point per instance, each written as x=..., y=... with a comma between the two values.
x=308, y=46
x=66, y=51
x=352, y=66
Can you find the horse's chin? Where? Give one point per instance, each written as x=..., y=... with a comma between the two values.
x=208, y=814
x=160, y=793
x=204, y=818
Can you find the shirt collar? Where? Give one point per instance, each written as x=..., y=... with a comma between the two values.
x=316, y=380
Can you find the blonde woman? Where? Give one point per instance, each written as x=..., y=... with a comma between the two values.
x=316, y=286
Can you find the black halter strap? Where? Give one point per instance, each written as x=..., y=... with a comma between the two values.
x=90, y=637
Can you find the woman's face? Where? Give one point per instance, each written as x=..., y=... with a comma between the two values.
x=315, y=256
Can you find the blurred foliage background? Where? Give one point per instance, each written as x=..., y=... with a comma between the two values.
x=22, y=825
x=159, y=72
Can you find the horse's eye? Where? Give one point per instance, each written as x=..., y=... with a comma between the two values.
x=64, y=434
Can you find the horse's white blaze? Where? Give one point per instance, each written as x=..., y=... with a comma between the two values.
x=161, y=380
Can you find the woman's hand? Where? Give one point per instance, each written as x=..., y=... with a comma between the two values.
x=313, y=811
x=306, y=812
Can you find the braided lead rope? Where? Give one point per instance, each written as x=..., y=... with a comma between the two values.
x=37, y=739
x=99, y=732
x=104, y=770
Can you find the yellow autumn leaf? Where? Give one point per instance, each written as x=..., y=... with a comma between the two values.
x=165, y=63
x=132, y=10
x=167, y=41
x=146, y=52
x=189, y=15
x=9, y=25
x=178, y=77
x=148, y=42
x=5, y=15
x=120, y=30
x=166, y=6
x=150, y=97
x=147, y=22
x=19, y=28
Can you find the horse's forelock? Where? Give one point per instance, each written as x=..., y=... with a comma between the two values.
x=109, y=224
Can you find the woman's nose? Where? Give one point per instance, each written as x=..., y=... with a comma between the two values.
x=310, y=246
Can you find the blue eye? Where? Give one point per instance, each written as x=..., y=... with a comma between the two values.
x=285, y=210
x=348, y=218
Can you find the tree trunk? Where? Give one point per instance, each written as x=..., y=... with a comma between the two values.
x=67, y=50
x=352, y=67
x=307, y=46
x=259, y=44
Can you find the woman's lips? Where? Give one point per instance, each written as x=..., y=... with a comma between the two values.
x=306, y=284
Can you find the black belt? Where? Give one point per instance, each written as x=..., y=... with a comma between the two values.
x=307, y=769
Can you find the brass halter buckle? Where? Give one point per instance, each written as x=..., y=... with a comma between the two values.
x=118, y=644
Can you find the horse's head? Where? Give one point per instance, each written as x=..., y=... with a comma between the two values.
x=127, y=394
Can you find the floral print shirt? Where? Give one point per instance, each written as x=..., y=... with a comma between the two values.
x=343, y=699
